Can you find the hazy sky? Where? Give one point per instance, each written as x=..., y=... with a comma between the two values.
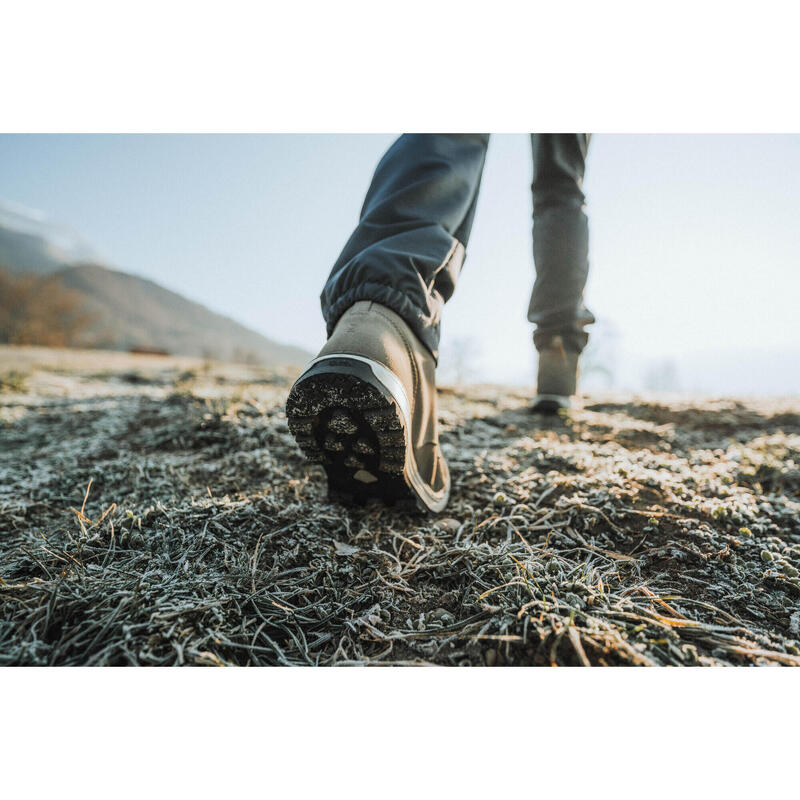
x=694, y=240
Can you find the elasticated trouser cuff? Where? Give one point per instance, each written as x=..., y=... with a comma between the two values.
x=387, y=296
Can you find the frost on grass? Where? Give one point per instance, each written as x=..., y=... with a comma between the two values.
x=156, y=511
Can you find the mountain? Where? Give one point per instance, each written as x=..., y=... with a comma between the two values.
x=30, y=243
x=127, y=311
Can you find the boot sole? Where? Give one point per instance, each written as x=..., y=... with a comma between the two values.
x=344, y=417
x=550, y=403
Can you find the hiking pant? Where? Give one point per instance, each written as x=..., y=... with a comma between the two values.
x=410, y=243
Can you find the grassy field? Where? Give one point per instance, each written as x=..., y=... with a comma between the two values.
x=156, y=511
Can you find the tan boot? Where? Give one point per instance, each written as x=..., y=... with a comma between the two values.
x=365, y=409
x=557, y=378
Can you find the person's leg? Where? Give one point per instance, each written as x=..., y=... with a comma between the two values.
x=409, y=246
x=560, y=240
x=365, y=408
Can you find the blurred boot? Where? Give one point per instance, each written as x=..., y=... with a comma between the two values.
x=365, y=409
x=557, y=377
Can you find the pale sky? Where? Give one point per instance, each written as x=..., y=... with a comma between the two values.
x=694, y=241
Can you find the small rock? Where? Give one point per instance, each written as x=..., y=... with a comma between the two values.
x=442, y=615
x=766, y=555
x=794, y=623
x=448, y=524
x=343, y=549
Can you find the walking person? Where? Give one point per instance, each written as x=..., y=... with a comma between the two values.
x=365, y=408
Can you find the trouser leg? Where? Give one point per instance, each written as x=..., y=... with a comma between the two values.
x=560, y=239
x=409, y=246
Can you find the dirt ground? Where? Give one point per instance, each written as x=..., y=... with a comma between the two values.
x=156, y=511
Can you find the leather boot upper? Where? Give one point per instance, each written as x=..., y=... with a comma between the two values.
x=376, y=332
x=558, y=369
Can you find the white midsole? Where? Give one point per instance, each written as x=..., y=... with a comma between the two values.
x=436, y=501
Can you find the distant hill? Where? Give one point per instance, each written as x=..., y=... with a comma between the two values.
x=127, y=311
x=32, y=244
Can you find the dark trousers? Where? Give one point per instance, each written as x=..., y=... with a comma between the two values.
x=410, y=243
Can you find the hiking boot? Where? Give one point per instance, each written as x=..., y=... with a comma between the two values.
x=558, y=377
x=365, y=409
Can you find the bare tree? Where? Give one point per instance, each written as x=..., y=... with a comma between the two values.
x=599, y=359
x=462, y=355
x=662, y=376
x=40, y=310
